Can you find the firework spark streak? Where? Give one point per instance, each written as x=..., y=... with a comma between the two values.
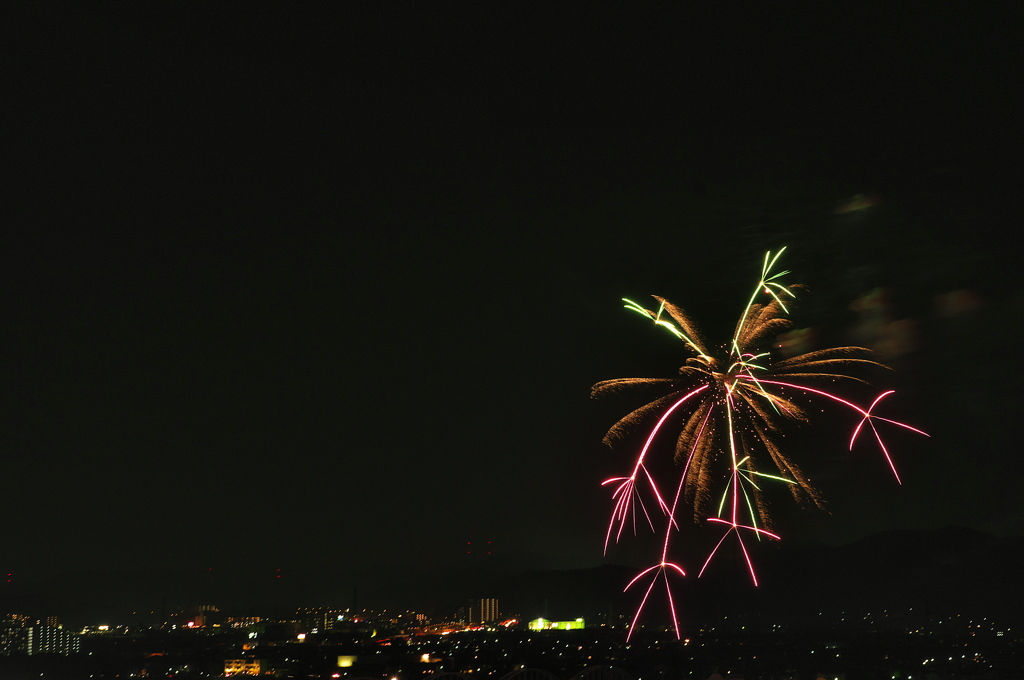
x=725, y=411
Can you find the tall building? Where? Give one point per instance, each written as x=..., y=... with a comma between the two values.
x=319, y=619
x=50, y=640
x=14, y=634
x=483, y=610
x=208, y=615
x=22, y=635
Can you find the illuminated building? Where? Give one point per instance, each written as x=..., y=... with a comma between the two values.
x=319, y=619
x=21, y=635
x=209, y=615
x=483, y=610
x=243, y=667
x=14, y=634
x=51, y=640
x=242, y=621
x=544, y=624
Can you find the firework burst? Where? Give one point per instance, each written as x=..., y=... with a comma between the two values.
x=725, y=409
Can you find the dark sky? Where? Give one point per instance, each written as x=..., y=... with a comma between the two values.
x=325, y=290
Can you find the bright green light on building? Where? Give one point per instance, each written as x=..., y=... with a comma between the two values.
x=544, y=624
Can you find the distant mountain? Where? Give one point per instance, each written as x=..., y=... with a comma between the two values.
x=933, y=573
x=946, y=571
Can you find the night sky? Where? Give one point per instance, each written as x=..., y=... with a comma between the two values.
x=324, y=290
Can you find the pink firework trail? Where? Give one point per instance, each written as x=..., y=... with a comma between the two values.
x=724, y=409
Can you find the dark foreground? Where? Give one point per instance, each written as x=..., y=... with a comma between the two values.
x=972, y=650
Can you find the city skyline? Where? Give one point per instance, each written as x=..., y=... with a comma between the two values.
x=890, y=635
